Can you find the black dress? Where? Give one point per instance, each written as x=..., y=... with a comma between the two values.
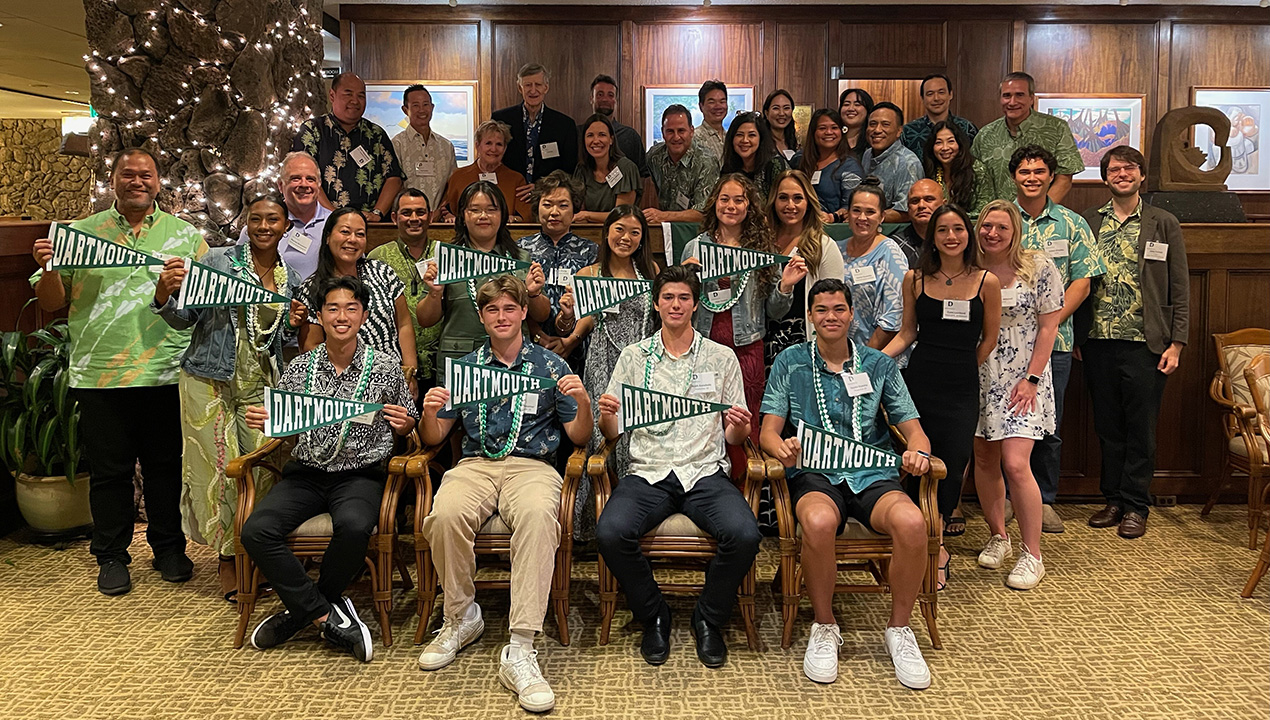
x=943, y=378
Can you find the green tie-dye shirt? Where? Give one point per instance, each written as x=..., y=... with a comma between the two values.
x=994, y=145
x=116, y=341
x=1118, y=298
x=1080, y=259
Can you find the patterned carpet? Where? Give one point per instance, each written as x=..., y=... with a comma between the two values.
x=1152, y=628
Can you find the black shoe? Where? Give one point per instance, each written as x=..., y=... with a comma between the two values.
x=656, y=644
x=275, y=630
x=711, y=650
x=113, y=578
x=343, y=629
x=174, y=567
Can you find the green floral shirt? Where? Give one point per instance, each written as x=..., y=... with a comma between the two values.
x=1066, y=238
x=349, y=177
x=1118, y=298
x=994, y=145
x=683, y=185
x=116, y=341
x=395, y=256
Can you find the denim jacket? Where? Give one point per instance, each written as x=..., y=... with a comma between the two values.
x=750, y=313
x=213, y=348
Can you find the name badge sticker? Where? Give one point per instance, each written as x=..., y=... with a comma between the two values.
x=488, y=177
x=863, y=274
x=1156, y=251
x=718, y=297
x=957, y=310
x=531, y=403
x=365, y=419
x=300, y=242
x=614, y=177
x=857, y=383
x=1056, y=248
x=682, y=201
x=815, y=178
x=1009, y=297
x=549, y=150
x=360, y=156
x=561, y=277
x=706, y=383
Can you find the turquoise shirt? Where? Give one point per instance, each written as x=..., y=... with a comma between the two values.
x=1077, y=259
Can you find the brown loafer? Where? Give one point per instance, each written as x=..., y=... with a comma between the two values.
x=1133, y=525
x=1106, y=517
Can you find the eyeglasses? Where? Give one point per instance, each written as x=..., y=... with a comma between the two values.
x=480, y=211
x=1121, y=170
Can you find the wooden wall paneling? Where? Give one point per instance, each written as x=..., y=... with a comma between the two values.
x=1164, y=61
x=629, y=94
x=1018, y=45
x=1248, y=298
x=572, y=54
x=485, y=88
x=802, y=62
x=414, y=51
x=688, y=54
x=976, y=70
x=892, y=45
x=1217, y=54
x=906, y=94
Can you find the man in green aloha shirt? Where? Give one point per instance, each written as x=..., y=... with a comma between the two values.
x=123, y=373
x=1021, y=125
x=412, y=214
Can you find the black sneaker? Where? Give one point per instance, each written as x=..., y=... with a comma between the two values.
x=343, y=629
x=174, y=567
x=275, y=630
x=113, y=578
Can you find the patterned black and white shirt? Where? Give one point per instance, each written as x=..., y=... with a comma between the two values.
x=365, y=444
x=380, y=328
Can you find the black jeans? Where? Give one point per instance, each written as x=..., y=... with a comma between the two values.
x=714, y=504
x=119, y=427
x=1126, y=389
x=352, y=497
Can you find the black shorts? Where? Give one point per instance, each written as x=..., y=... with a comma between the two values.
x=850, y=505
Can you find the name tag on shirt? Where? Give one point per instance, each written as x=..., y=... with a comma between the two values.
x=1009, y=297
x=425, y=170
x=718, y=297
x=1056, y=248
x=366, y=419
x=300, y=242
x=614, y=177
x=957, y=310
x=815, y=178
x=488, y=177
x=1156, y=251
x=531, y=403
x=863, y=274
x=706, y=383
x=857, y=383
x=549, y=150
x=789, y=155
x=561, y=277
x=682, y=201
x=360, y=156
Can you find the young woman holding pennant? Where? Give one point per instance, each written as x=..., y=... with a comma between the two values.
x=234, y=353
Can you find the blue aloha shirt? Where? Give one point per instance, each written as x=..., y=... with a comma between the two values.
x=540, y=433
x=878, y=303
x=898, y=168
x=791, y=394
x=572, y=253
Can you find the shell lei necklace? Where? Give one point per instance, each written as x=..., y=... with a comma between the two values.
x=518, y=416
x=855, y=410
x=368, y=359
x=736, y=296
x=254, y=330
x=692, y=371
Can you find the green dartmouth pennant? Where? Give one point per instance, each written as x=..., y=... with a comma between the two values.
x=208, y=287
x=823, y=451
x=77, y=249
x=291, y=413
x=722, y=260
x=470, y=383
x=456, y=264
x=641, y=408
x=594, y=295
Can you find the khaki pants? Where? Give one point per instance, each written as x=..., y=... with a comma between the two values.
x=526, y=495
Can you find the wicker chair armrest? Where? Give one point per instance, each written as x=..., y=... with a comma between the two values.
x=569, y=490
x=1219, y=391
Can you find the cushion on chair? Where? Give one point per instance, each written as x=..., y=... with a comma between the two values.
x=318, y=526
x=1238, y=447
x=677, y=524
x=855, y=530
x=1237, y=358
x=495, y=526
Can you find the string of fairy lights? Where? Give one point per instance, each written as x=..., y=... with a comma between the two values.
x=289, y=111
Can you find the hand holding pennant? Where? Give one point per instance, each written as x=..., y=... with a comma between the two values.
x=291, y=413
x=642, y=408
x=77, y=249
x=472, y=383
x=722, y=260
x=596, y=294
x=823, y=451
x=456, y=264
x=206, y=286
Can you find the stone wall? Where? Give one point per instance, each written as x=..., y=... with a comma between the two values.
x=34, y=179
x=215, y=87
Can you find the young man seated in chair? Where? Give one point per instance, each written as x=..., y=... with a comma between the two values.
x=508, y=468
x=840, y=386
x=337, y=469
x=680, y=466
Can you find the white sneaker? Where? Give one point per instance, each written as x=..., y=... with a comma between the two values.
x=910, y=667
x=518, y=671
x=1027, y=572
x=995, y=552
x=820, y=662
x=451, y=638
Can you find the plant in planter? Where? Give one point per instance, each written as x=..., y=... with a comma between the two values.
x=39, y=431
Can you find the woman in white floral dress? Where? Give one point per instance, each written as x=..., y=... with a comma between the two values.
x=1016, y=390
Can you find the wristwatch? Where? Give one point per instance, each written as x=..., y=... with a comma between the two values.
x=1034, y=379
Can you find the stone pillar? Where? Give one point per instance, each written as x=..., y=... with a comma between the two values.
x=35, y=179
x=216, y=87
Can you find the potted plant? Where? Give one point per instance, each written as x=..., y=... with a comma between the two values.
x=39, y=431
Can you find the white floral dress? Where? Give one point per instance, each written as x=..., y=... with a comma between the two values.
x=1007, y=364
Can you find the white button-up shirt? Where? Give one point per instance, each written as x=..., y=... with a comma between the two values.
x=428, y=165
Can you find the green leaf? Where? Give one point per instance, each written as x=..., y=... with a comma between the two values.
x=17, y=439
x=47, y=337
x=30, y=390
x=61, y=388
x=10, y=461
x=48, y=453
x=9, y=351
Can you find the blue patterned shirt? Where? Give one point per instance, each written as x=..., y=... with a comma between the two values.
x=560, y=262
x=540, y=433
x=1065, y=237
x=917, y=133
x=791, y=394
x=898, y=168
x=877, y=302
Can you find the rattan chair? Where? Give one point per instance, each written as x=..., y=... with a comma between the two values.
x=310, y=540
x=677, y=543
x=1258, y=375
x=1229, y=389
x=493, y=540
x=856, y=546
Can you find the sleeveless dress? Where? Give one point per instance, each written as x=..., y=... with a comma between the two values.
x=943, y=379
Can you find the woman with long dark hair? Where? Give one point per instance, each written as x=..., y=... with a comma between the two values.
x=750, y=151
x=833, y=171
x=947, y=161
x=778, y=110
x=854, y=105
x=608, y=178
x=952, y=310
x=874, y=268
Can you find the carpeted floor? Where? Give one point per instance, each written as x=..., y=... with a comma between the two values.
x=1152, y=628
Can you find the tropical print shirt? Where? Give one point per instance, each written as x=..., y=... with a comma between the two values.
x=1117, y=299
x=396, y=256
x=354, y=165
x=1065, y=237
x=995, y=144
x=683, y=185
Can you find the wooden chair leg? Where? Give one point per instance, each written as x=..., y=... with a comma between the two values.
x=929, y=612
x=790, y=594
x=1263, y=563
x=1221, y=484
x=1256, y=509
x=248, y=587
x=560, y=590
x=381, y=591
x=608, y=601
x=427, y=589
x=403, y=569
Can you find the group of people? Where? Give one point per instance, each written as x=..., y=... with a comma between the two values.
x=958, y=328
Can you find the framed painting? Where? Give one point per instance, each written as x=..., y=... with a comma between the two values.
x=659, y=97
x=1098, y=123
x=453, y=114
x=1248, y=110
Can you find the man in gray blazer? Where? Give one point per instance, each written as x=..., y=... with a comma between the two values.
x=1133, y=326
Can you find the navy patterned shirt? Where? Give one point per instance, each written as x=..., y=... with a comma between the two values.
x=560, y=261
